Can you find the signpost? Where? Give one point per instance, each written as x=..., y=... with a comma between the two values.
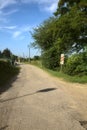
x=62, y=60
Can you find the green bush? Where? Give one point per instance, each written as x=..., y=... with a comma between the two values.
x=76, y=64
x=7, y=71
x=50, y=59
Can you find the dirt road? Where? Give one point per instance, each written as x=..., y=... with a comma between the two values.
x=38, y=101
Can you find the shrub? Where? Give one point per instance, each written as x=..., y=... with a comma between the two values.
x=7, y=71
x=50, y=59
x=77, y=64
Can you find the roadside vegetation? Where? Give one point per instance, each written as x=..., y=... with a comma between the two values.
x=60, y=74
x=7, y=72
x=64, y=33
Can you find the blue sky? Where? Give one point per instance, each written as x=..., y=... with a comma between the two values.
x=18, y=18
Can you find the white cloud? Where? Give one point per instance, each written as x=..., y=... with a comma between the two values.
x=47, y=2
x=19, y=32
x=15, y=31
x=46, y=5
x=10, y=27
x=5, y=3
x=16, y=34
x=39, y=1
x=52, y=8
x=10, y=12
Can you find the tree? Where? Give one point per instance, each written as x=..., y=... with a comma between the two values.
x=73, y=23
x=43, y=34
x=64, y=33
x=0, y=54
x=36, y=57
x=77, y=64
x=6, y=53
x=64, y=6
x=44, y=37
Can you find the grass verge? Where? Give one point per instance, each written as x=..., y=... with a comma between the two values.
x=68, y=78
x=59, y=74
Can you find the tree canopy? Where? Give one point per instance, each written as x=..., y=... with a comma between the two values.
x=65, y=32
x=6, y=53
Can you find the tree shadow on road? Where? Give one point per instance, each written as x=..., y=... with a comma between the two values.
x=3, y=128
x=39, y=91
x=8, y=85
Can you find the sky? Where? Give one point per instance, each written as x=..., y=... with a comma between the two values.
x=17, y=20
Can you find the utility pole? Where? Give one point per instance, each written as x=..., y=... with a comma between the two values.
x=29, y=53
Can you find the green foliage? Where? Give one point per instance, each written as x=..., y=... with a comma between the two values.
x=66, y=33
x=0, y=54
x=63, y=76
x=77, y=64
x=50, y=58
x=36, y=57
x=65, y=6
x=72, y=25
x=37, y=63
x=44, y=34
x=72, y=31
x=7, y=71
x=6, y=53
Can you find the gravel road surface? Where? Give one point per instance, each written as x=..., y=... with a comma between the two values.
x=38, y=101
